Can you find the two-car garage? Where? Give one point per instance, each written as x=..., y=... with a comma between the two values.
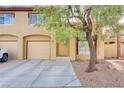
x=33, y=46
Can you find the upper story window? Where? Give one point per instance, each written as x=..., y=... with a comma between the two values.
x=6, y=18
x=36, y=18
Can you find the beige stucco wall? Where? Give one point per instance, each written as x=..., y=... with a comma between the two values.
x=72, y=49
x=21, y=29
x=110, y=50
x=62, y=49
x=100, y=50
x=122, y=50
x=83, y=57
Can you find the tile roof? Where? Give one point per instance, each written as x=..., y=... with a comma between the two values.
x=16, y=8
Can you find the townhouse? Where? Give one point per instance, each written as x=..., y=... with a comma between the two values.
x=23, y=40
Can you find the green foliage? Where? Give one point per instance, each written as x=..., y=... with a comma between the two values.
x=118, y=27
x=107, y=15
x=56, y=20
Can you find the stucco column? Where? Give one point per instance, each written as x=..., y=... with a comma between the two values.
x=20, y=48
x=100, y=49
x=72, y=49
x=52, y=48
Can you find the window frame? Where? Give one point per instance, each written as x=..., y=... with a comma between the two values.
x=29, y=18
x=2, y=20
x=4, y=23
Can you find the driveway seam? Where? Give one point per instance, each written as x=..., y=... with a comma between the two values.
x=36, y=78
x=70, y=82
x=27, y=71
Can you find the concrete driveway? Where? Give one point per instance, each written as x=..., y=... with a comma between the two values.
x=37, y=73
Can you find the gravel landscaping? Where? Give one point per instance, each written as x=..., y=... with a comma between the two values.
x=110, y=74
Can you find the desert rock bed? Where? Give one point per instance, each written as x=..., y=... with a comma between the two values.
x=110, y=74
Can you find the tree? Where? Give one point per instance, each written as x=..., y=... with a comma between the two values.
x=113, y=23
x=65, y=22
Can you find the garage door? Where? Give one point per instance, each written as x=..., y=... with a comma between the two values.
x=38, y=50
x=11, y=46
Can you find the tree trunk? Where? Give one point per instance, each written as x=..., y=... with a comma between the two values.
x=118, y=46
x=95, y=44
x=87, y=24
x=93, y=59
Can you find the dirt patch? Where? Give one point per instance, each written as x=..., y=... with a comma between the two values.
x=108, y=75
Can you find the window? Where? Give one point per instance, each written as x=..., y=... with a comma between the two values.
x=36, y=18
x=6, y=18
x=83, y=48
x=1, y=20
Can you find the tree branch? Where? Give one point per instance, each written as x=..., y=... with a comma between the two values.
x=73, y=24
x=87, y=19
x=70, y=8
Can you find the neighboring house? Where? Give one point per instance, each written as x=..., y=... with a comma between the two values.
x=23, y=40
x=110, y=46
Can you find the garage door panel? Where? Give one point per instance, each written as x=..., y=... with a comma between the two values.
x=38, y=50
x=11, y=47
